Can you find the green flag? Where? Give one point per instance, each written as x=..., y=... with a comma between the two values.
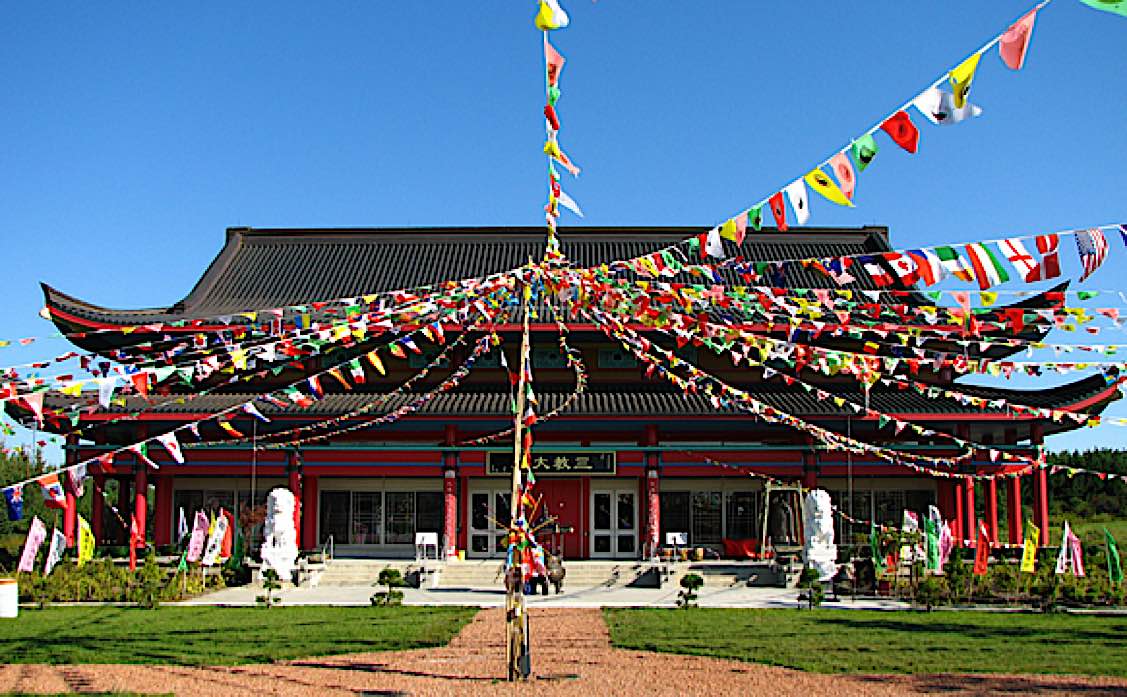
x=874, y=544
x=1119, y=7
x=182, y=567
x=755, y=217
x=1114, y=570
x=931, y=527
x=864, y=150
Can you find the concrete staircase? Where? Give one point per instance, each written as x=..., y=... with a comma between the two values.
x=361, y=572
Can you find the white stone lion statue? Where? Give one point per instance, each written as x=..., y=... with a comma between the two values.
x=818, y=524
x=279, y=538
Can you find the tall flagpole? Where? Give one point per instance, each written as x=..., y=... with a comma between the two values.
x=517, y=659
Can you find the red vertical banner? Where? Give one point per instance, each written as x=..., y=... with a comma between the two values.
x=653, y=511
x=450, y=513
x=982, y=550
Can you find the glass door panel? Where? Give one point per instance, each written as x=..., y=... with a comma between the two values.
x=489, y=517
x=614, y=516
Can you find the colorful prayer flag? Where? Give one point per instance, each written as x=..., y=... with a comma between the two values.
x=35, y=536
x=1029, y=553
x=981, y=550
x=53, y=494
x=551, y=16
x=779, y=211
x=1114, y=569
x=939, y=107
x=962, y=77
x=1118, y=7
x=796, y=194
x=843, y=170
x=819, y=181
x=864, y=149
x=903, y=132
x=1015, y=42
x=85, y=541
x=55, y=551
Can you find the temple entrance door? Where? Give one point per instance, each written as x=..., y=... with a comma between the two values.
x=614, y=524
x=488, y=511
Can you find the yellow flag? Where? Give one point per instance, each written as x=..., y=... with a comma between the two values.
x=988, y=298
x=961, y=77
x=1029, y=556
x=820, y=181
x=85, y=542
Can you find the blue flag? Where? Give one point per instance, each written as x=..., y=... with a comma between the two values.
x=13, y=497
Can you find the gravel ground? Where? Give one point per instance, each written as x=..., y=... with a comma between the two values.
x=571, y=655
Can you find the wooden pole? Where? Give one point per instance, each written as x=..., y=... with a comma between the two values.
x=514, y=581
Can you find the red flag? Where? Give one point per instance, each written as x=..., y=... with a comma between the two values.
x=779, y=210
x=900, y=127
x=1015, y=42
x=554, y=61
x=134, y=538
x=981, y=551
x=1049, y=247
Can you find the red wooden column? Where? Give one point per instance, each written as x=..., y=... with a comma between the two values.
x=1013, y=509
x=957, y=523
x=1040, y=487
x=992, y=510
x=450, y=495
x=70, y=513
x=653, y=495
x=309, y=512
x=293, y=469
x=971, y=526
x=98, y=507
x=162, y=511
x=123, y=506
x=141, y=501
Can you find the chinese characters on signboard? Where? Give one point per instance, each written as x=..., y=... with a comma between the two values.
x=549, y=463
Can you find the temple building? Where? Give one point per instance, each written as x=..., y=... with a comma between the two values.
x=630, y=459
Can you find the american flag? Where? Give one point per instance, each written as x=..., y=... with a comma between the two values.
x=1092, y=246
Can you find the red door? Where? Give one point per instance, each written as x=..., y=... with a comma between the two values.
x=563, y=499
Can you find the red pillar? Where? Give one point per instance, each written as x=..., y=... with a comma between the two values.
x=970, y=526
x=810, y=469
x=162, y=512
x=123, y=506
x=293, y=468
x=1013, y=509
x=450, y=496
x=309, y=512
x=98, y=507
x=141, y=501
x=1040, y=487
x=957, y=524
x=653, y=495
x=992, y=510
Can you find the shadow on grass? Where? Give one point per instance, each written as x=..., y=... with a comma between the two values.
x=1115, y=632
x=995, y=684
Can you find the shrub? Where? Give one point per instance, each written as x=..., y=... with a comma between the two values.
x=930, y=592
x=810, y=582
x=691, y=583
x=392, y=578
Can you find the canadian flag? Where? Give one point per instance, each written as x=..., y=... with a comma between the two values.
x=172, y=445
x=904, y=267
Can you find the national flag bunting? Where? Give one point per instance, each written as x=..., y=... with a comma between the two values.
x=1092, y=246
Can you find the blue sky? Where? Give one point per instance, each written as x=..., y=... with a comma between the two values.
x=133, y=134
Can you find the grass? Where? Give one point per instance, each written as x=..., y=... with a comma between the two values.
x=220, y=636
x=858, y=641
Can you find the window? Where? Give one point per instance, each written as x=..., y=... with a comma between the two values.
x=367, y=517
x=429, y=511
x=674, y=512
x=744, y=513
x=422, y=360
x=707, y=518
x=334, y=516
x=399, y=522
x=548, y=358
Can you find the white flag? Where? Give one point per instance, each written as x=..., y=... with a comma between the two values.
x=714, y=244
x=799, y=201
x=215, y=541
x=939, y=107
x=168, y=440
x=569, y=203
x=182, y=527
x=55, y=552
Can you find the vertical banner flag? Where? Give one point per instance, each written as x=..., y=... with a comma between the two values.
x=946, y=543
x=215, y=541
x=85, y=541
x=981, y=550
x=55, y=551
x=1029, y=553
x=931, y=526
x=796, y=194
x=1114, y=569
x=874, y=548
x=35, y=536
x=779, y=210
x=181, y=527
x=13, y=499
x=199, y=535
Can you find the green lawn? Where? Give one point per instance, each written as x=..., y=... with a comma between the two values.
x=858, y=641
x=214, y=635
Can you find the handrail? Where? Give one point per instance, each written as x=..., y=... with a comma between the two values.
x=328, y=549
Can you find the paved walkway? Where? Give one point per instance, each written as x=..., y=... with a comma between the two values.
x=571, y=656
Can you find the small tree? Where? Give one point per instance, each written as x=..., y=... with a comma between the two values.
x=393, y=579
x=149, y=582
x=688, y=597
x=811, y=584
x=270, y=583
x=929, y=592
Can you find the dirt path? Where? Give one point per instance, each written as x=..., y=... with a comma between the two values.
x=571, y=656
